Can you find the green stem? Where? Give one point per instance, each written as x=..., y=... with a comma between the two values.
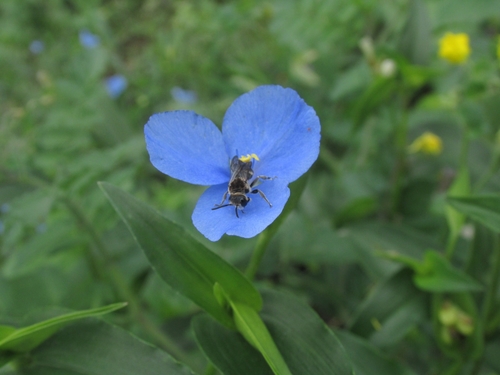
x=464, y=151
x=493, y=285
x=296, y=189
x=330, y=160
x=450, y=245
x=490, y=172
x=258, y=253
x=399, y=168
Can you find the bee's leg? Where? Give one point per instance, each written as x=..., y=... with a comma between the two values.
x=258, y=181
x=262, y=195
x=223, y=199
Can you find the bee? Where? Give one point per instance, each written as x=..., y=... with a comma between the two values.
x=239, y=186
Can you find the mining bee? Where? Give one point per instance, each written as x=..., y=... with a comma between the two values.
x=239, y=185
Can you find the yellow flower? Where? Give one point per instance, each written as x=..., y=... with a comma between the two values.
x=454, y=48
x=428, y=143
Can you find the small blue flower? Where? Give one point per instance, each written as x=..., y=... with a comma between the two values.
x=41, y=228
x=37, y=47
x=115, y=85
x=271, y=122
x=183, y=96
x=89, y=40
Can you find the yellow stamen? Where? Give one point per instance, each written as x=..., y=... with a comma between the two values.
x=248, y=158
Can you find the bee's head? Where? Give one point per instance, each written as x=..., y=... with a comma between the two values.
x=239, y=200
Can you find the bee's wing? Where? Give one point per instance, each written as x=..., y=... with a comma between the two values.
x=238, y=166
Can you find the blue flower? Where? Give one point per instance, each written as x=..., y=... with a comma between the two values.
x=183, y=96
x=41, y=228
x=37, y=47
x=115, y=85
x=89, y=40
x=270, y=123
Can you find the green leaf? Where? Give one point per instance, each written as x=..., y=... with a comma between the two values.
x=227, y=349
x=28, y=338
x=183, y=263
x=398, y=324
x=483, y=208
x=6, y=357
x=386, y=299
x=374, y=237
x=367, y=359
x=438, y=275
x=93, y=347
x=417, y=36
x=379, y=91
x=303, y=339
x=491, y=356
x=307, y=345
x=452, y=12
x=253, y=329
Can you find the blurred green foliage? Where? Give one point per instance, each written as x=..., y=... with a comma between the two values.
x=368, y=215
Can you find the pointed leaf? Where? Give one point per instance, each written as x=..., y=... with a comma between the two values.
x=386, y=297
x=93, y=347
x=367, y=359
x=438, y=275
x=417, y=36
x=227, y=349
x=303, y=339
x=484, y=208
x=251, y=326
x=183, y=263
x=307, y=345
x=28, y=338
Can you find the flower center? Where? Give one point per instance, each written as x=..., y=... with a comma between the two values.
x=248, y=157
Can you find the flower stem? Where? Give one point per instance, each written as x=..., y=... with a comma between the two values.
x=493, y=285
x=296, y=189
x=400, y=164
x=258, y=253
x=464, y=151
x=490, y=172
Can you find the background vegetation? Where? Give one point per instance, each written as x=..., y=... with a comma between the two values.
x=405, y=275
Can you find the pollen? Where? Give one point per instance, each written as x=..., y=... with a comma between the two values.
x=248, y=157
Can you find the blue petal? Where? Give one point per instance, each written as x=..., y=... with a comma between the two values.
x=37, y=47
x=115, y=85
x=256, y=216
x=277, y=125
x=89, y=40
x=188, y=147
